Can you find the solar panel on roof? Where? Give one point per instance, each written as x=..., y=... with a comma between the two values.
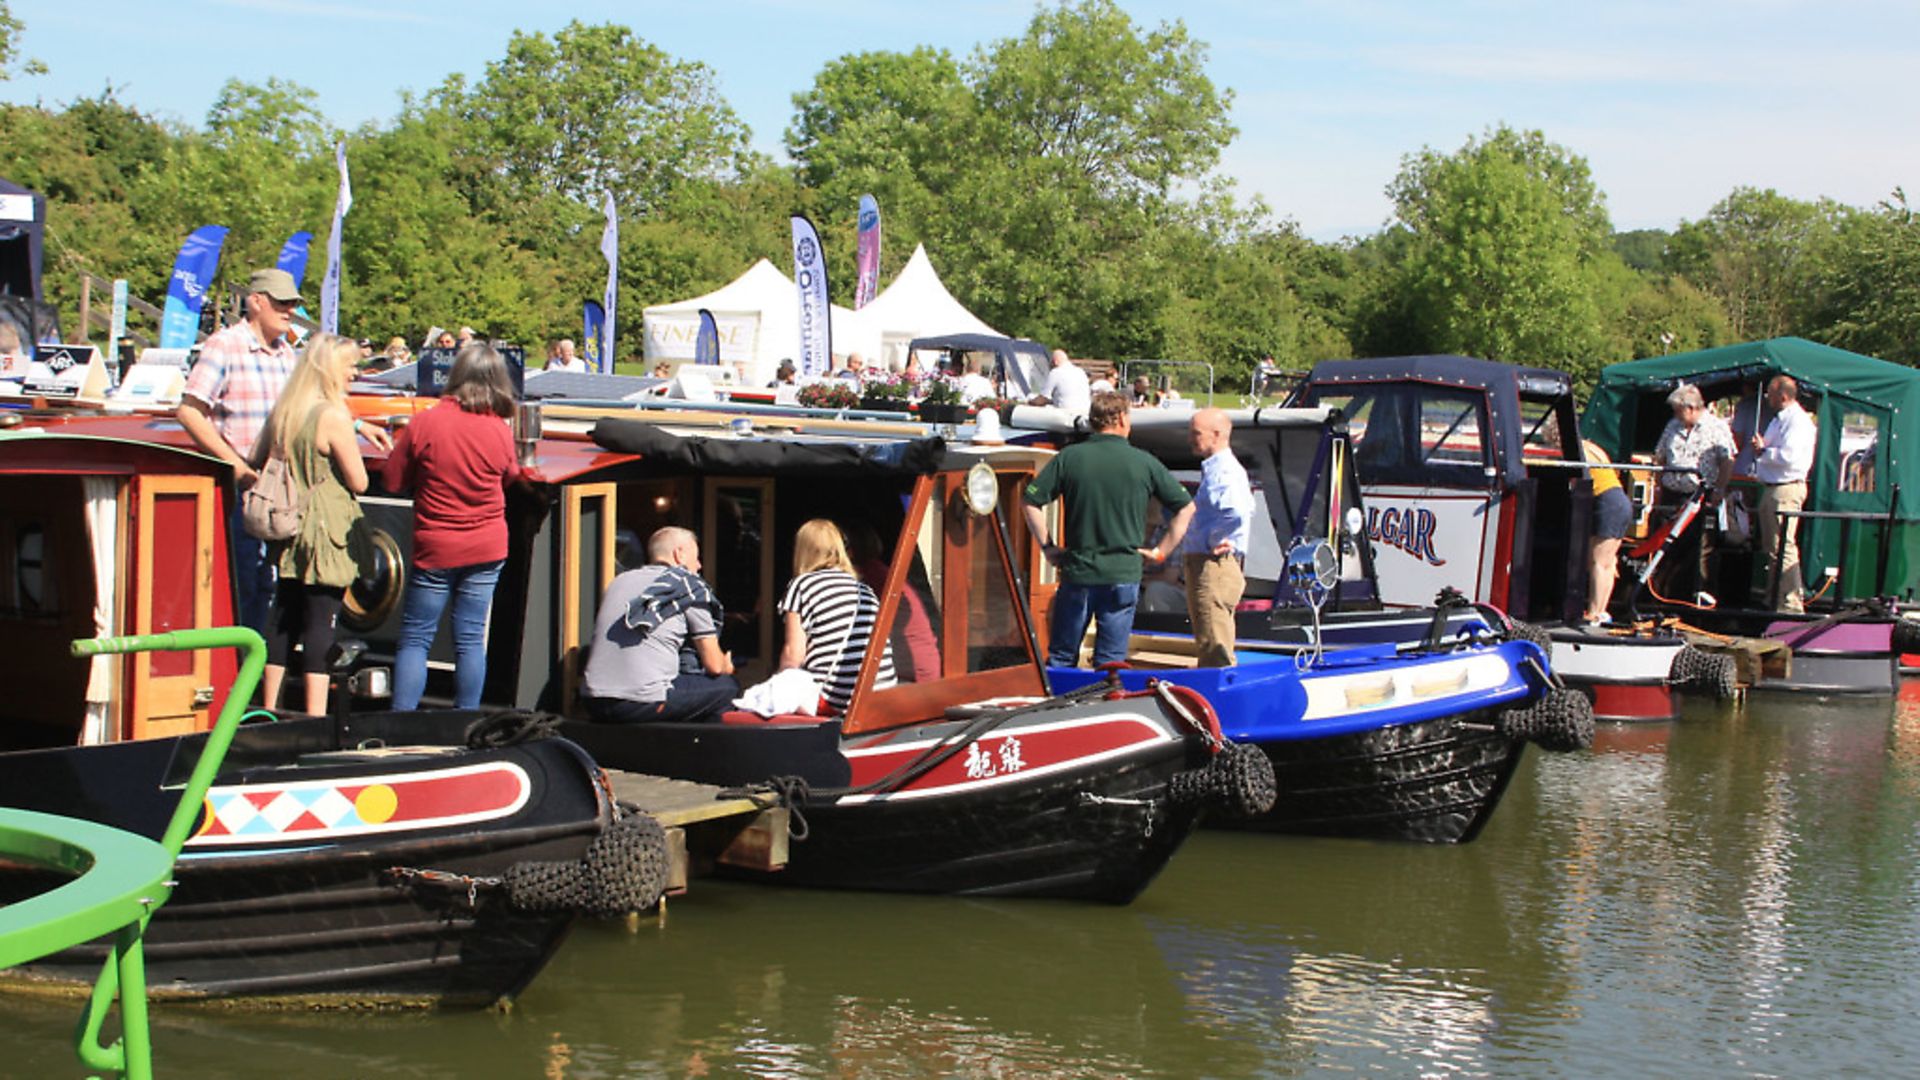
x=587, y=385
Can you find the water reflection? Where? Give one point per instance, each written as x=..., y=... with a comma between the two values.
x=1733, y=893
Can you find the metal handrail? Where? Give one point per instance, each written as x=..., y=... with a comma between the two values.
x=126, y=876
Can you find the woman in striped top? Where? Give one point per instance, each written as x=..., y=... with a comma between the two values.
x=830, y=615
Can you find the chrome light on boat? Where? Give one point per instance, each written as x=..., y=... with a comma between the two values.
x=1311, y=566
x=983, y=489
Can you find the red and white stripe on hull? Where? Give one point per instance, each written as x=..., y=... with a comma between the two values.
x=1011, y=754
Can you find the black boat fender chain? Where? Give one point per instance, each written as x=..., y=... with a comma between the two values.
x=1695, y=668
x=1906, y=634
x=1238, y=780
x=624, y=870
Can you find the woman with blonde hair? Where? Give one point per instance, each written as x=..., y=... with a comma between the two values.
x=312, y=430
x=830, y=615
x=457, y=459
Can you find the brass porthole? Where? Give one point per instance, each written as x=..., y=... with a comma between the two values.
x=375, y=594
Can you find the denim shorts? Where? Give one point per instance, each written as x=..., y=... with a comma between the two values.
x=1611, y=513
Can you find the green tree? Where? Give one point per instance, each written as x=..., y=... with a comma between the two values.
x=1642, y=249
x=595, y=109
x=1759, y=252
x=10, y=28
x=1504, y=238
x=1870, y=287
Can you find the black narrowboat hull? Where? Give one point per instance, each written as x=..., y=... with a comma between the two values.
x=1432, y=781
x=1067, y=802
x=300, y=885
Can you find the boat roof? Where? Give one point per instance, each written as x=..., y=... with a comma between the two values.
x=839, y=455
x=63, y=449
x=1628, y=408
x=1448, y=370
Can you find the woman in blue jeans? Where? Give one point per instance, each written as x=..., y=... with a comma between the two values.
x=457, y=459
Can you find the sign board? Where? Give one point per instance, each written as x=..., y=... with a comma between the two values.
x=183, y=359
x=16, y=208
x=119, y=327
x=66, y=372
x=1425, y=539
x=152, y=384
x=436, y=364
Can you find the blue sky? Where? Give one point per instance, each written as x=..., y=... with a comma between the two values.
x=1672, y=103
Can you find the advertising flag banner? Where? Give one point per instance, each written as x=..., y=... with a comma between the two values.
x=293, y=256
x=816, y=322
x=330, y=287
x=593, y=320
x=867, y=258
x=706, y=344
x=187, y=289
x=610, y=250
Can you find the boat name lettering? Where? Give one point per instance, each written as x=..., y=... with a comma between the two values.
x=981, y=764
x=1410, y=529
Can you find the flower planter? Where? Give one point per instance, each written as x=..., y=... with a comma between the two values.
x=882, y=403
x=943, y=413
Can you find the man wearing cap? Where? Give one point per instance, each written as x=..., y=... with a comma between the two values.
x=228, y=395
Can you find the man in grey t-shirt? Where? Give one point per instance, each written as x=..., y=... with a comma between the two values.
x=656, y=646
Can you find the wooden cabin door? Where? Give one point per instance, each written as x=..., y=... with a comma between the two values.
x=587, y=564
x=174, y=536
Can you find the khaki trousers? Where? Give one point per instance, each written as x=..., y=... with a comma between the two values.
x=1214, y=585
x=1773, y=499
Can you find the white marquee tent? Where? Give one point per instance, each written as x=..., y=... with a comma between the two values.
x=758, y=317
x=916, y=305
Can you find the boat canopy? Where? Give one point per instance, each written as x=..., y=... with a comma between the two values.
x=754, y=456
x=1868, y=413
x=1502, y=386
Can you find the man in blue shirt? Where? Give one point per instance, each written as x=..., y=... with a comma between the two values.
x=1215, y=547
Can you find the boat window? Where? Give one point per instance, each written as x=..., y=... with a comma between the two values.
x=994, y=638
x=915, y=637
x=1416, y=434
x=1859, y=451
x=739, y=523
x=30, y=571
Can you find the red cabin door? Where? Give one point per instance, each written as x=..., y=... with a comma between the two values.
x=174, y=538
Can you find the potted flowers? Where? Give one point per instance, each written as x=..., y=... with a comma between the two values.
x=941, y=404
x=828, y=394
x=1003, y=406
x=889, y=394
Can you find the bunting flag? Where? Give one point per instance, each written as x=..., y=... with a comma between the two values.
x=330, y=287
x=706, y=344
x=610, y=250
x=187, y=289
x=867, y=259
x=816, y=322
x=293, y=256
x=593, y=319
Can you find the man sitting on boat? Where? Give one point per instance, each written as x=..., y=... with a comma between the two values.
x=1105, y=485
x=656, y=642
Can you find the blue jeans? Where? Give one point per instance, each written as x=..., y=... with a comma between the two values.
x=471, y=589
x=252, y=573
x=1111, y=609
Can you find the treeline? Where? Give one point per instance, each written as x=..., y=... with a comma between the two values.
x=1064, y=180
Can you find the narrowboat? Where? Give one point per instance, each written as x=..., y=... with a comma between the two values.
x=1475, y=480
x=1858, y=529
x=364, y=860
x=1382, y=723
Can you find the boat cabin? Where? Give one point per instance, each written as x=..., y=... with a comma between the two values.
x=1865, y=486
x=100, y=536
x=1462, y=463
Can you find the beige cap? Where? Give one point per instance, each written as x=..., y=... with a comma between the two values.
x=277, y=284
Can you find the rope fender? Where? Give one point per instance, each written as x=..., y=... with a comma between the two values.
x=1697, y=669
x=624, y=870
x=1238, y=782
x=1560, y=722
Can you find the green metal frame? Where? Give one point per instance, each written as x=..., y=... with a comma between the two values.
x=124, y=878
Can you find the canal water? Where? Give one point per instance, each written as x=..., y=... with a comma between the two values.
x=1736, y=893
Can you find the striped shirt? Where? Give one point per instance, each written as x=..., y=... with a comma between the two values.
x=239, y=379
x=837, y=612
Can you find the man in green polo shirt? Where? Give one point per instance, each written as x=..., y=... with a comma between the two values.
x=1105, y=484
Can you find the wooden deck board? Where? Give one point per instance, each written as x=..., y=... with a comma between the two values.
x=677, y=802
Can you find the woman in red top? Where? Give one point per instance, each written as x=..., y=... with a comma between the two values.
x=457, y=457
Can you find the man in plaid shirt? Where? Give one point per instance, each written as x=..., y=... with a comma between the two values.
x=228, y=396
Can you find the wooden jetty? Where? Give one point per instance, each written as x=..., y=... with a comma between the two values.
x=705, y=826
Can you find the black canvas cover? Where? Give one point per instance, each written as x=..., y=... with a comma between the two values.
x=20, y=239
x=729, y=455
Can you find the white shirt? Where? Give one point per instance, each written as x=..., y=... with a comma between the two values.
x=1788, y=455
x=974, y=386
x=1067, y=388
x=578, y=363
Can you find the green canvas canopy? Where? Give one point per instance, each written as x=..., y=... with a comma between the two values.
x=1867, y=459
